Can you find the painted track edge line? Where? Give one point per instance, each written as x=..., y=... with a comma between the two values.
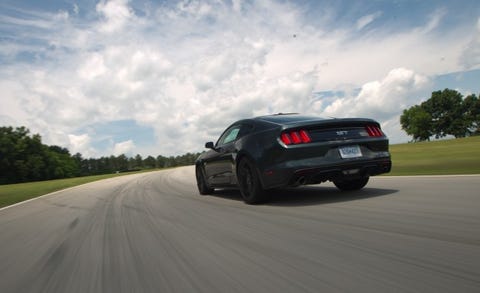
x=66, y=189
x=42, y=196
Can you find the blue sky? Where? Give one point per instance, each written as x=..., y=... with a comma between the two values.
x=162, y=77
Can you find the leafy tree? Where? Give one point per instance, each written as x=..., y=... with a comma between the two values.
x=61, y=163
x=149, y=162
x=82, y=164
x=417, y=122
x=471, y=105
x=122, y=162
x=138, y=161
x=132, y=164
x=445, y=113
x=161, y=161
x=445, y=108
x=24, y=158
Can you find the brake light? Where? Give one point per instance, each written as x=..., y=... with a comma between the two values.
x=295, y=137
x=374, y=131
x=304, y=136
x=286, y=138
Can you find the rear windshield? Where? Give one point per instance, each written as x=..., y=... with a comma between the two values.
x=287, y=119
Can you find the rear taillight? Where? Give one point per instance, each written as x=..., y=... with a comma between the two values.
x=295, y=137
x=374, y=131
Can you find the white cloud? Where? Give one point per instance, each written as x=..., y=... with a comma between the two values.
x=367, y=19
x=383, y=100
x=434, y=20
x=32, y=23
x=12, y=111
x=471, y=54
x=93, y=67
x=81, y=144
x=190, y=68
x=124, y=147
x=237, y=5
x=195, y=7
x=117, y=13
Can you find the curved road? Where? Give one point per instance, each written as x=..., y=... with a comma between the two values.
x=152, y=232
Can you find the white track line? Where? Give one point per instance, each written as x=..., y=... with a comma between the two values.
x=41, y=196
x=376, y=177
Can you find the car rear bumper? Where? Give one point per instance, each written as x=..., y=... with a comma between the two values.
x=308, y=174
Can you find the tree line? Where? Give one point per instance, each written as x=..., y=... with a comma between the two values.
x=24, y=158
x=445, y=113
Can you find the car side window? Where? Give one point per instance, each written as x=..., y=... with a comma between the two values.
x=232, y=135
x=229, y=135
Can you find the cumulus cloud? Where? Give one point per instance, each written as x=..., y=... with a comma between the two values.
x=124, y=147
x=384, y=99
x=188, y=69
x=116, y=13
x=93, y=67
x=80, y=144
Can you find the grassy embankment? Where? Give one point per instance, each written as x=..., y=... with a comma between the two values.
x=444, y=157
x=458, y=156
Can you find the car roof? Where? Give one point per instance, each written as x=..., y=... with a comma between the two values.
x=287, y=118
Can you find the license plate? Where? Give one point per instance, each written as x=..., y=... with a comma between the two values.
x=348, y=152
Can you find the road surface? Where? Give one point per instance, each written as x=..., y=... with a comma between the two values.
x=153, y=232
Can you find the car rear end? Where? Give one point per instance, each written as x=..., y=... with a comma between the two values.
x=314, y=151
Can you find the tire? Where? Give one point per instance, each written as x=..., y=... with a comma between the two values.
x=349, y=185
x=202, y=184
x=249, y=183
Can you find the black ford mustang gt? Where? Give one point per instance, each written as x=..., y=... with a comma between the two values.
x=289, y=150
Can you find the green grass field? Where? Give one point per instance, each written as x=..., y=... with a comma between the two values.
x=446, y=157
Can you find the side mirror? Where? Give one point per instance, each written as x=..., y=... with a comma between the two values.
x=209, y=145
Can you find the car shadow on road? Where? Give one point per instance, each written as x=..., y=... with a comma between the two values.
x=227, y=193
x=317, y=195
x=310, y=195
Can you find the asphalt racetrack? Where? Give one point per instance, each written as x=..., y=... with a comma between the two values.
x=153, y=232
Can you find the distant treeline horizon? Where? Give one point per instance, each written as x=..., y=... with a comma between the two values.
x=24, y=158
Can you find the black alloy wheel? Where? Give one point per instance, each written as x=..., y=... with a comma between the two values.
x=202, y=185
x=249, y=183
x=349, y=185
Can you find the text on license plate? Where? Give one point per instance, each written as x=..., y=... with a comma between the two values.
x=348, y=152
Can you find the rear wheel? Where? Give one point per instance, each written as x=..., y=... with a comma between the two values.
x=202, y=184
x=348, y=185
x=249, y=183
